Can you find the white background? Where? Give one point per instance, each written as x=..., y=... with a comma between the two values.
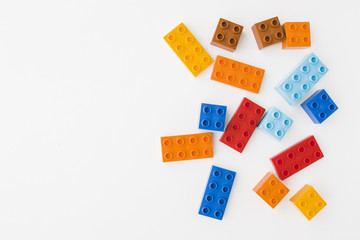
x=87, y=88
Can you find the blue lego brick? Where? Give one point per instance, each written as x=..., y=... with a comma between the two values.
x=212, y=117
x=319, y=106
x=275, y=123
x=217, y=193
x=299, y=82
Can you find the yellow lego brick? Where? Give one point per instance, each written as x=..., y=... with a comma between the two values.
x=188, y=49
x=308, y=201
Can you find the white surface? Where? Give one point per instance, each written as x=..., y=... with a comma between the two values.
x=88, y=87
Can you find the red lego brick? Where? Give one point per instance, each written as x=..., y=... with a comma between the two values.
x=296, y=157
x=242, y=125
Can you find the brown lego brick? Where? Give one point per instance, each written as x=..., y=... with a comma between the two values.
x=268, y=32
x=227, y=35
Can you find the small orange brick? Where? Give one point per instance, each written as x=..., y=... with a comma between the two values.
x=271, y=189
x=237, y=74
x=297, y=35
x=186, y=147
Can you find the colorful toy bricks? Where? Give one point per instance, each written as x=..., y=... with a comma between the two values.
x=212, y=117
x=188, y=49
x=268, y=32
x=271, y=190
x=297, y=35
x=242, y=125
x=227, y=35
x=217, y=193
x=296, y=157
x=299, y=82
x=275, y=123
x=187, y=147
x=249, y=115
x=308, y=201
x=319, y=106
x=237, y=74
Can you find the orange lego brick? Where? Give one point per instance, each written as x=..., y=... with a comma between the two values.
x=308, y=201
x=297, y=35
x=227, y=35
x=271, y=189
x=268, y=32
x=187, y=147
x=188, y=49
x=237, y=74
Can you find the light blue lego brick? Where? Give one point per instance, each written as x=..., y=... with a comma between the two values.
x=319, y=106
x=275, y=123
x=212, y=117
x=303, y=78
x=217, y=193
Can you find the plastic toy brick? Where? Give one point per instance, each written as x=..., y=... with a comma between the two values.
x=227, y=35
x=275, y=123
x=271, y=190
x=268, y=32
x=237, y=74
x=212, y=117
x=308, y=201
x=187, y=147
x=319, y=106
x=188, y=49
x=297, y=35
x=242, y=125
x=299, y=82
x=296, y=157
x=217, y=193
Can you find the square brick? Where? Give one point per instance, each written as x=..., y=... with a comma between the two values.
x=271, y=189
x=319, y=106
x=268, y=32
x=297, y=35
x=275, y=123
x=212, y=117
x=308, y=201
x=227, y=35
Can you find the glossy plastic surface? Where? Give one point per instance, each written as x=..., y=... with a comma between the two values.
x=271, y=189
x=301, y=79
x=275, y=123
x=187, y=147
x=227, y=35
x=212, y=117
x=268, y=32
x=308, y=201
x=217, y=193
x=297, y=35
x=296, y=157
x=237, y=74
x=188, y=49
x=319, y=106
x=242, y=125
